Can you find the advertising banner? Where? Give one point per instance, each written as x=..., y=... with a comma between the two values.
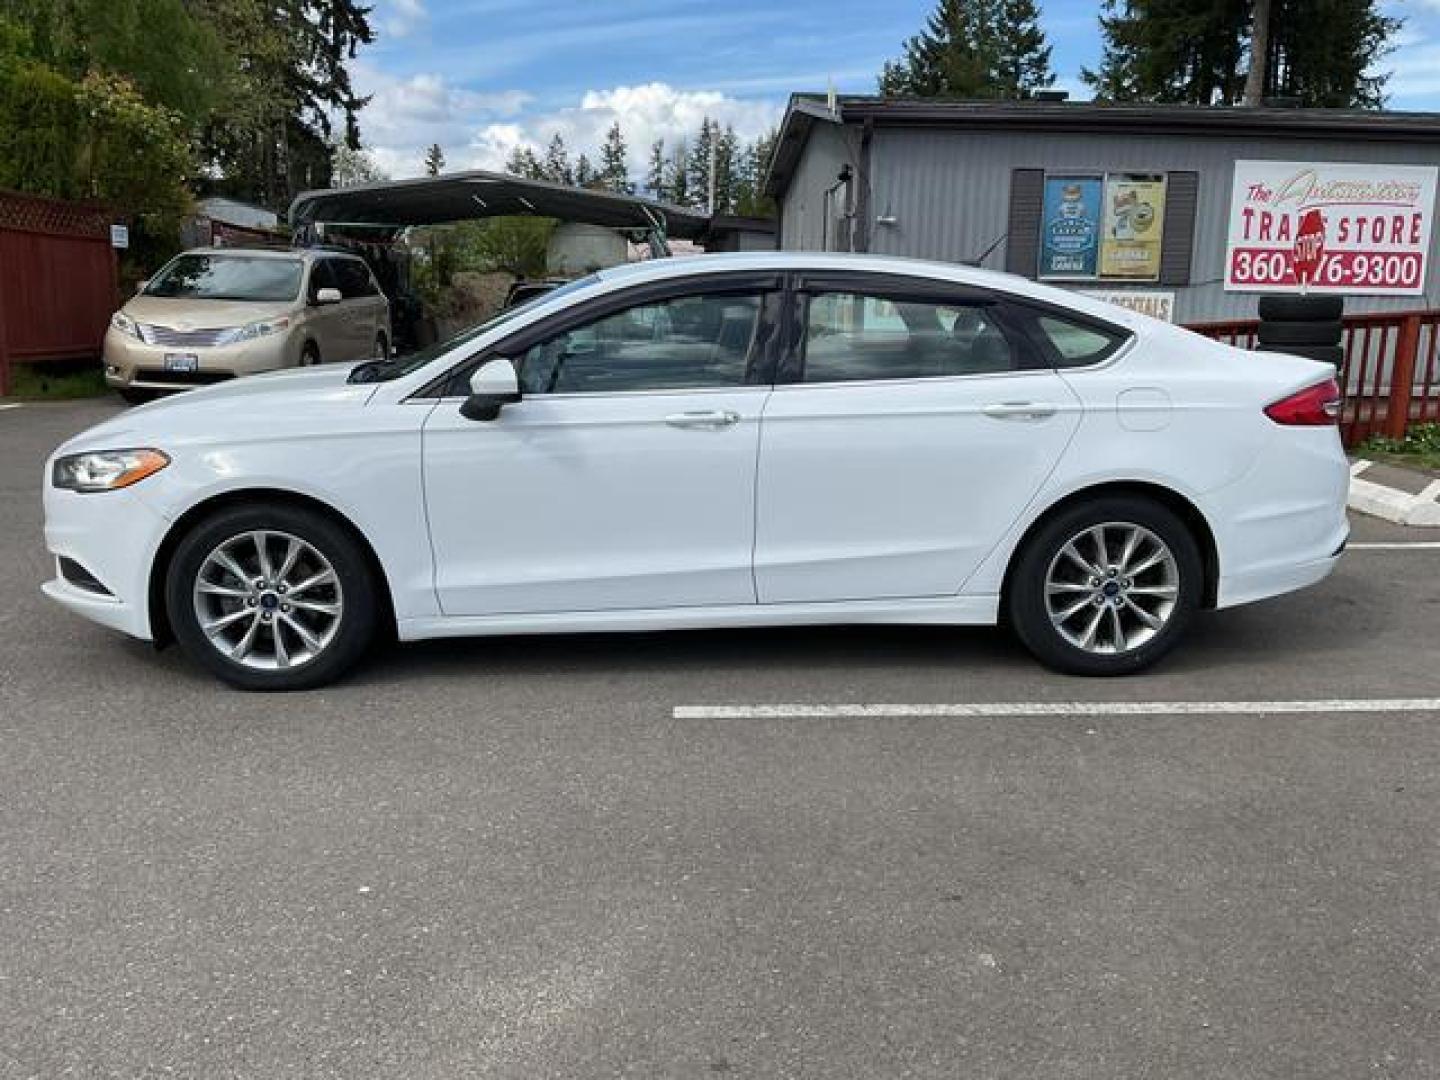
x=1362, y=229
x=1133, y=227
x=1158, y=305
x=1070, y=227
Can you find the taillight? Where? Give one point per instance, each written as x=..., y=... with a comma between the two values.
x=1315, y=406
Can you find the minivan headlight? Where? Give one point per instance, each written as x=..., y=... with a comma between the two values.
x=106, y=470
x=263, y=328
x=125, y=324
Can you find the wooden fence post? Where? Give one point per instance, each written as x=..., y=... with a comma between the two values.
x=1402, y=377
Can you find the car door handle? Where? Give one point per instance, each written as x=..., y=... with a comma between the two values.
x=1020, y=410
x=709, y=418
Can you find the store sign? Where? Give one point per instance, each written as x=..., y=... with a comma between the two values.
x=1134, y=223
x=1070, y=228
x=1102, y=228
x=1156, y=304
x=119, y=236
x=1362, y=229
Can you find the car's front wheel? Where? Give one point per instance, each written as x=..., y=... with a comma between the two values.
x=1106, y=587
x=272, y=597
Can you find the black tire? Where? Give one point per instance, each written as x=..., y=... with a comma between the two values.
x=1026, y=596
x=1300, y=333
x=1326, y=354
x=135, y=396
x=1288, y=308
x=310, y=354
x=357, y=586
x=382, y=347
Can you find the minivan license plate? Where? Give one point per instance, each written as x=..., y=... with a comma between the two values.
x=181, y=361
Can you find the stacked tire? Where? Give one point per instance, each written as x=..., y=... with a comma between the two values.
x=1306, y=326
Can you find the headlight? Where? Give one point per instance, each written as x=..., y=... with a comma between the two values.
x=263, y=328
x=106, y=470
x=125, y=324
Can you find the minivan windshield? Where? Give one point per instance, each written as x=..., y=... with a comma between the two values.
x=227, y=277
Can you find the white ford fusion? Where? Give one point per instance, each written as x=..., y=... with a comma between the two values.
x=750, y=440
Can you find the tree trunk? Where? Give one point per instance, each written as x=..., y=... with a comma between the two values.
x=1259, y=54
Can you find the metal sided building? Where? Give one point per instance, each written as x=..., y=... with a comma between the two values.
x=1187, y=212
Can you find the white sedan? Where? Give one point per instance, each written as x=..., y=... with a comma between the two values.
x=750, y=440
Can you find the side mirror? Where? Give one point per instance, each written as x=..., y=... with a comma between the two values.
x=493, y=385
x=328, y=296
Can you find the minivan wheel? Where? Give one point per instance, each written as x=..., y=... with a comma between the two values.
x=309, y=355
x=1107, y=587
x=136, y=396
x=271, y=598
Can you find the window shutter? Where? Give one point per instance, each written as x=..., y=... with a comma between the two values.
x=1177, y=248
x=1022, y=240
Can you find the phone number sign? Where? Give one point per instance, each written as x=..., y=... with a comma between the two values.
x=1374, y=221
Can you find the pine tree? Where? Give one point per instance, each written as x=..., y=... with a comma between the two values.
x=557, y=161
x=973, y=49
x=1322, y=53
x=697, y=164
x=585, y=175
x=751, y=200
x=655, y=173
x=524, y=162
x=727, y=167
x=677, y=187
x=614, y=163
x=434, y=160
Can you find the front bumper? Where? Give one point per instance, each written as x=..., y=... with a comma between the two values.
x=113, y=536
x=133, y=364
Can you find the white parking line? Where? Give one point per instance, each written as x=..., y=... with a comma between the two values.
x=1056, y=708
x=1396, y=545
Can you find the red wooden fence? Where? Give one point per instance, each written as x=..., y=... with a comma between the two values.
x=57, y=280
x=1391, y=373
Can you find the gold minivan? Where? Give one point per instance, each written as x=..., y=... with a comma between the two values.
x=212, y=314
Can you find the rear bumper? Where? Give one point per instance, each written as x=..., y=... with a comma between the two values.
x=1273, y=581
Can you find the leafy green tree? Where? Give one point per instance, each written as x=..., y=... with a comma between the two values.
x=585, y=174
x=350, y=167
x=524, y=162
x=750, y=197
x=677, y=186
x=614, y=163
x=973, y=49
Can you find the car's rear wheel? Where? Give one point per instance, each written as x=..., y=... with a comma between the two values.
x=310, y=354
x=1106, y=587
x=272, y=597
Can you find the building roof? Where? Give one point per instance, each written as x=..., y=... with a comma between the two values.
x=459, y=196
x=1088, y=117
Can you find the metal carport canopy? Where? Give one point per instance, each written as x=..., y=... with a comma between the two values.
x=460, y=196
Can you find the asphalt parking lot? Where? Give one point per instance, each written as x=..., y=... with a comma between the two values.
x=514, y=858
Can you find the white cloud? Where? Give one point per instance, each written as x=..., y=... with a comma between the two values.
x=645, y=113
x=400, y=18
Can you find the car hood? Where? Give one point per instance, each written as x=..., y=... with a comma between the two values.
x=244, y=408
x=182, y=314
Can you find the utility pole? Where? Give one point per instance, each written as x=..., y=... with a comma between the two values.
x=1259, y=55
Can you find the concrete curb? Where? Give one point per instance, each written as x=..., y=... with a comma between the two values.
x=1392, y=504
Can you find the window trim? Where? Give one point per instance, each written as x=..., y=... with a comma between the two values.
x=768, y=285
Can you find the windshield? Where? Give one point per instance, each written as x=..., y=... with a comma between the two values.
x=385, y=370
x=227, y=277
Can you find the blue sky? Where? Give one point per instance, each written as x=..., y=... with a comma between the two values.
x=483, y=76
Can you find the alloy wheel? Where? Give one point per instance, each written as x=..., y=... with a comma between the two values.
x=268, y=600
x=1112, y=588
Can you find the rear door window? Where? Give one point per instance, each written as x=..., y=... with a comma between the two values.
x=854, y=336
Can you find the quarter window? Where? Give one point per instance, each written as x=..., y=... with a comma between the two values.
x=852, y=336
x=683, y=343
x=1076, y=344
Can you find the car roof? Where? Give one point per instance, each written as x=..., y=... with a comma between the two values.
x=799, y=261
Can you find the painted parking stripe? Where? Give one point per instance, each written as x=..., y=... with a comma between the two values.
x=1396, y=545
x=1057, y=708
